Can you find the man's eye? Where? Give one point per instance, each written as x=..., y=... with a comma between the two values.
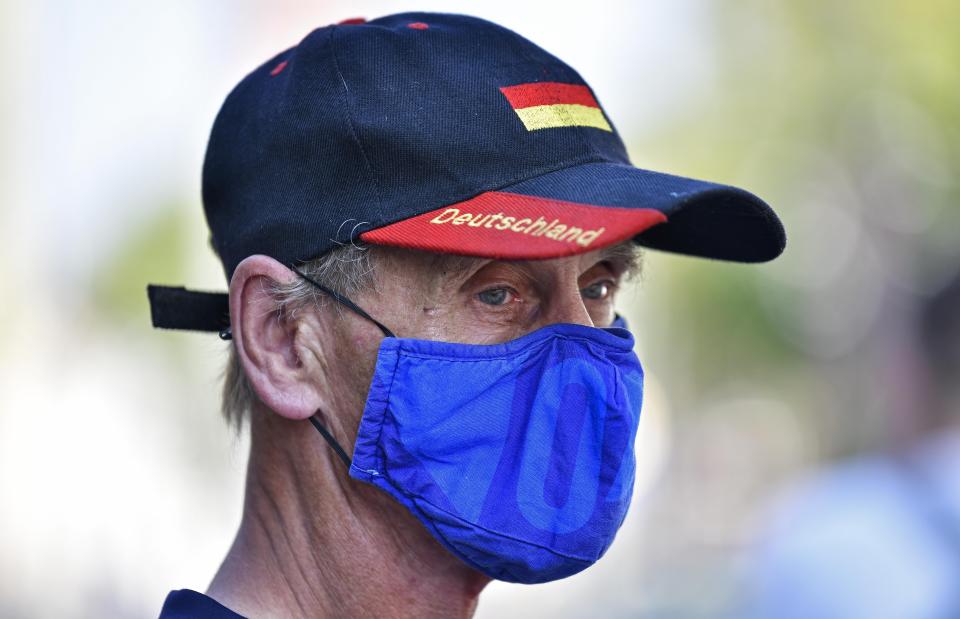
x=597, y=291
x=494, y=296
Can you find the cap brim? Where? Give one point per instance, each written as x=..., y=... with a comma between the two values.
x=591, y=206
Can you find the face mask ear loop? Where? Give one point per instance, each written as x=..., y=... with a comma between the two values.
x=330, y=440
x=342, y=300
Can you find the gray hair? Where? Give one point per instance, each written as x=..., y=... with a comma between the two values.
x=347, y=269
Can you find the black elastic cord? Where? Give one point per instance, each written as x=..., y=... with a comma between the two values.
x=344, y=301
x=332, y=441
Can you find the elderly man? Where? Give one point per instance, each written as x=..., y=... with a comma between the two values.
x=424, y=220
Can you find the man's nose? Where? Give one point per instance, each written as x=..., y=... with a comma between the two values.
x=567, y=306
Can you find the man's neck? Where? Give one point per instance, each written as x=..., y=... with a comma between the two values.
x=315, y=543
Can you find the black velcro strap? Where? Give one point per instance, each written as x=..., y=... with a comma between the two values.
x=178, y=308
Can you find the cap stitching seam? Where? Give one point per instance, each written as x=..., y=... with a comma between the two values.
x=354, y=133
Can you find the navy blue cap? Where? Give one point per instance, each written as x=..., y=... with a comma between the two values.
x=452, y=134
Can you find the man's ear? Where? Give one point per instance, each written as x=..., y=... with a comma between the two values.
x=265, y=341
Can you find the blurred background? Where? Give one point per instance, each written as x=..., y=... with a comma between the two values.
x=781, y=400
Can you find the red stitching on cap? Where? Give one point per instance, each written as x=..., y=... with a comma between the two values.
x=417, y=25
x=352, y=21
x=277, y=69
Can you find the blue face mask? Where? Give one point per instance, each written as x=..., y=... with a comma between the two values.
x=518, y=457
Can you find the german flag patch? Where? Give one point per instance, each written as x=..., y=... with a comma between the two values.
x=544, y=105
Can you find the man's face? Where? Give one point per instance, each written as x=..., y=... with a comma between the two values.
x=466, y=300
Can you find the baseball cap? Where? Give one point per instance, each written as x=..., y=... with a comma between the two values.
x=444, y=133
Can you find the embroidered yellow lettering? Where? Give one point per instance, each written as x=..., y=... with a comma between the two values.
x=554, y=229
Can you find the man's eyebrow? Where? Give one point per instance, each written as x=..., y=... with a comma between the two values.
x=627, y=254
x=453, y=269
